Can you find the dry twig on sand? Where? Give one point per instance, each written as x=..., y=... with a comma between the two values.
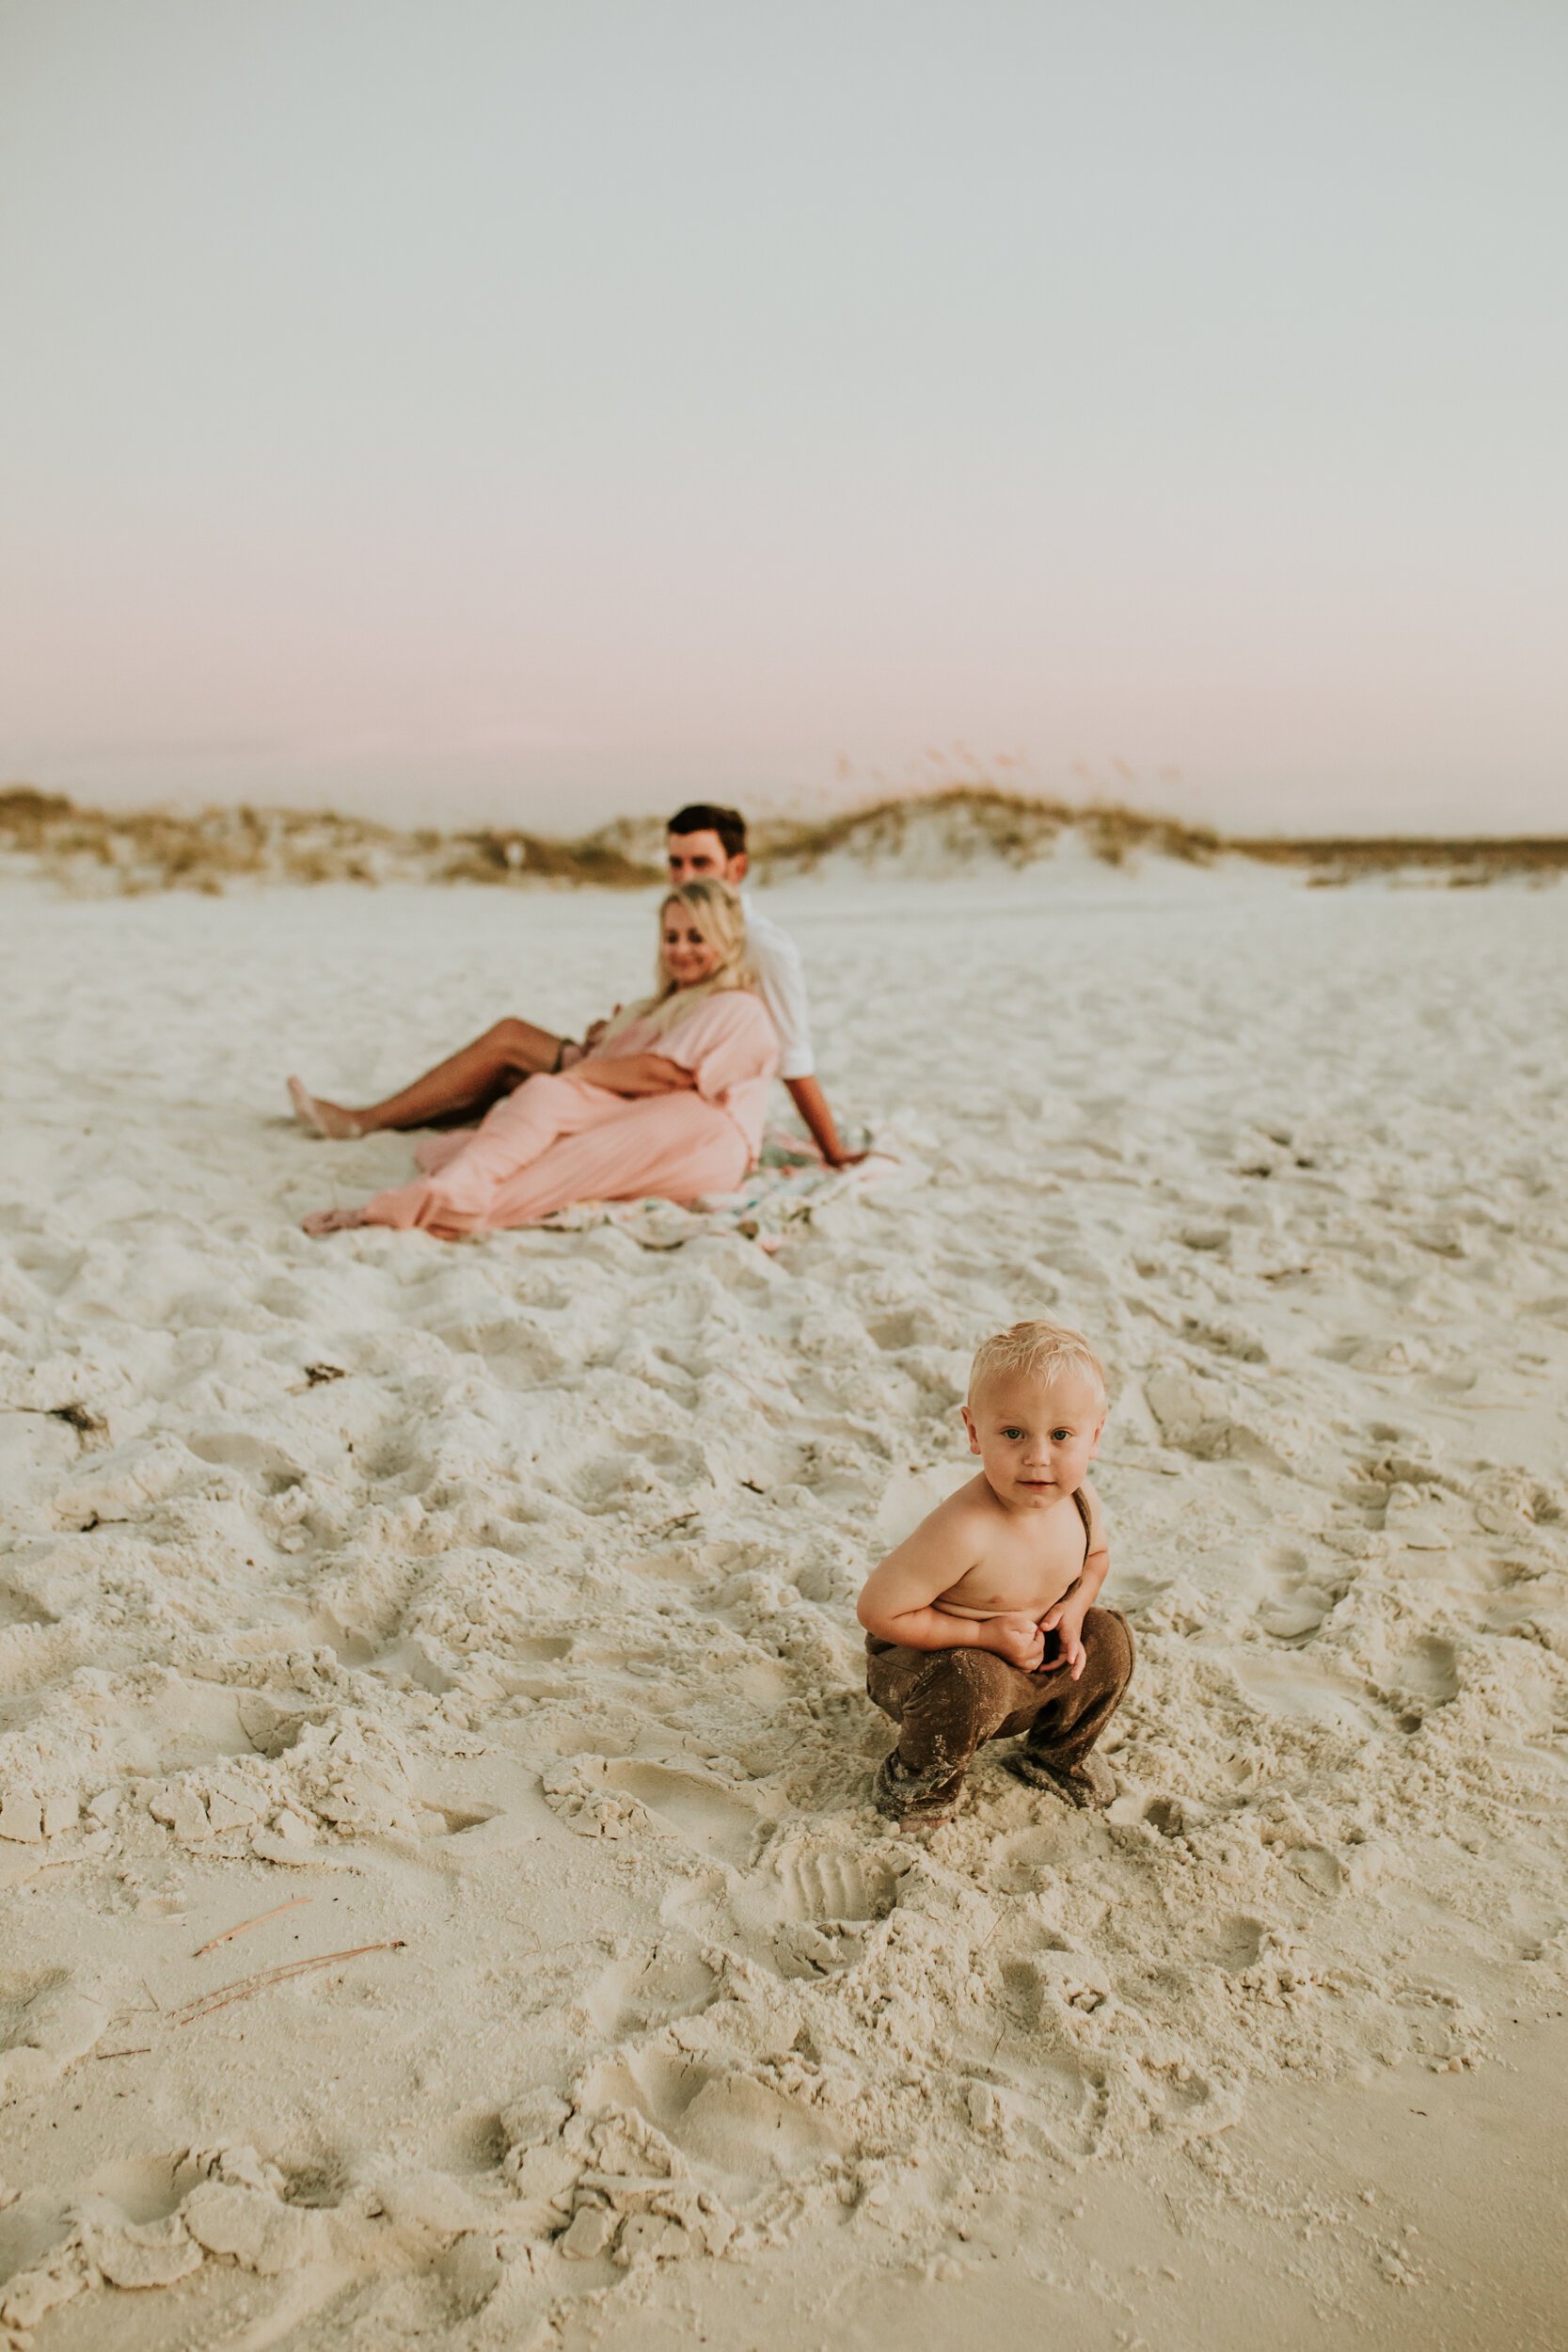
x=244, y=1988
x=228, y=1934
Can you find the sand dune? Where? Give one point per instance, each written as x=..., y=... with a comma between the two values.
x=969, y=827
x=491, y=1608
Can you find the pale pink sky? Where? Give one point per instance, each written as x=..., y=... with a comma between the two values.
x=515, y=410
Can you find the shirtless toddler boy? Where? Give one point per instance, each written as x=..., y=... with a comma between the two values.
x=983, y=1624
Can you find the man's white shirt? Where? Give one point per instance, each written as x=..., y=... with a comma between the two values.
x=781, y=986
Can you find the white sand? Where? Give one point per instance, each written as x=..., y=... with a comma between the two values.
x=528, y=1643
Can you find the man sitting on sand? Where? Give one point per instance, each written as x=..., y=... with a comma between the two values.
x=982, y=1624
x=703, y=843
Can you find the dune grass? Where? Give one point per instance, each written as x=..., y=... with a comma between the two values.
x=125, y=852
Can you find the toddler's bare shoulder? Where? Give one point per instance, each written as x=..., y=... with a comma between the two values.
x=963, y=1520
x=945, y=1516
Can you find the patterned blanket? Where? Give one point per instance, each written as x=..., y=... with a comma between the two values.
x=787, y=1187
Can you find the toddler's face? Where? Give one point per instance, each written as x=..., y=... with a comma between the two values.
x=1035, y=1437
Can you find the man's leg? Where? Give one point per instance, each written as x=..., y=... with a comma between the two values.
x=1057, y=1751
x=468, y=1082
x=947, y=1702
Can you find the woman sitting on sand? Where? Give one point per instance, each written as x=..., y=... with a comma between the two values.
x=668, y=1101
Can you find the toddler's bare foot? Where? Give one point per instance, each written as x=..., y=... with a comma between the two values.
x=323, y=1118
x=1089, y=1783
x=330, y=1221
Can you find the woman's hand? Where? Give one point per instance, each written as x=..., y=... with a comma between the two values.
x=573, y=1055
x=330, y=1221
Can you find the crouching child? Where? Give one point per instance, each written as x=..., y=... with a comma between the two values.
x=984, y=1623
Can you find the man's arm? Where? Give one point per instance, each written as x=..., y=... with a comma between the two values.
x=811, y=1103
x=781, y=985
x=896, y=1602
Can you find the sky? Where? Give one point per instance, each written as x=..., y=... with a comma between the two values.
x=500, y=411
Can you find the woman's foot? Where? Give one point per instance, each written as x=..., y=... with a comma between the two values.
x=330, y=1221
x=323, y=1118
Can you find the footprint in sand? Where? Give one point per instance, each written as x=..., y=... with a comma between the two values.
x=1294, y=1685
x=1301, y=1601
x=1065, y=2102
x=1321, y=1870
x=842, y=1889
x=1425, y=1676
x=742, y=2126
x=1192, y=2105
x=605, y=1797
x=1077, y=2103
x=702, y=1811
x=1023, y=1862
x=541, y=1646
x=1234, y=1340
x=520, y=1353
x=46, y=2025
x=1200, y=1416
x=1431, y=1669
x=1053, y=1977
x=1166, y=1816
x=908, y=1326
x=647, y=1989
x=811, y=1912
x=829, y=1903
x=1234, y=1944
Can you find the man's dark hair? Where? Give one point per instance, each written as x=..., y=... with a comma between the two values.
x=702, y=817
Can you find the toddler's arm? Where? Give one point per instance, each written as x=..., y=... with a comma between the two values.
x=1065, y=1618
x=896, y=1602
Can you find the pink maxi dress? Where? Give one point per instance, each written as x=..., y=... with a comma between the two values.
x=559, y=1139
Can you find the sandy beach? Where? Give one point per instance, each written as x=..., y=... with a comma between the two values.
x=484, y=1615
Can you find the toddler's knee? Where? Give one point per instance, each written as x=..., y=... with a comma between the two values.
x=976, y=1680
x=1109, y=1637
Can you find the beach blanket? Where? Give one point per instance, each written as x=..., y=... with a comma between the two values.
x=789, y=1186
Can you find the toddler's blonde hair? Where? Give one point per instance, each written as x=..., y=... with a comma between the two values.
x=1041, y=1351
x=718, y=914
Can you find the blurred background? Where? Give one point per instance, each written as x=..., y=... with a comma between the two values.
x=531, y=413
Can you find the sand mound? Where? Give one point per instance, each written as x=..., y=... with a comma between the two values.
x=483, y=1616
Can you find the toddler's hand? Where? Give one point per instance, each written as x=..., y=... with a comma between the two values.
x=1016, y=1637
x=1066, y=1620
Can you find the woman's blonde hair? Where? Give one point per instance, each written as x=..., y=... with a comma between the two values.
x=718, y=914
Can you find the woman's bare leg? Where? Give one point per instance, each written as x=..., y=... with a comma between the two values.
x=469, y=1081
